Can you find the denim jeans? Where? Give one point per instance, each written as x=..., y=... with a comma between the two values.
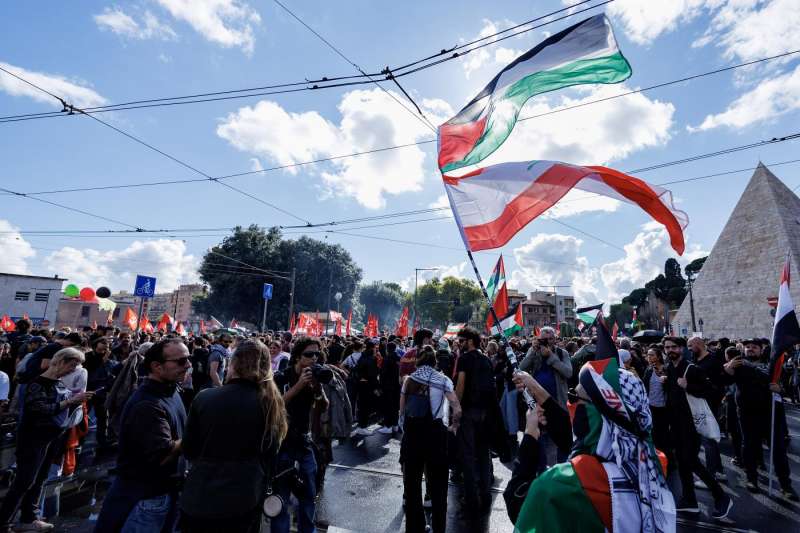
x=151, y=515
x=307, y=466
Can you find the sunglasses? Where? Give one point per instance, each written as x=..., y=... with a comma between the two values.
x=181, y=361
x=311, y=355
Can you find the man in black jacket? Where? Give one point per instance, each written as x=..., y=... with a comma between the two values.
x=712, y=365
x=684, y=378
x=754, y=403
x=149, y=466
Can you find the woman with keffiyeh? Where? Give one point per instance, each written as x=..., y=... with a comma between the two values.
x=613, y=480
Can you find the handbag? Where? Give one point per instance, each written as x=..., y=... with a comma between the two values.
x=704, y=420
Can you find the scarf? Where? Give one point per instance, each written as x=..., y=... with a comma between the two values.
x=620, y=423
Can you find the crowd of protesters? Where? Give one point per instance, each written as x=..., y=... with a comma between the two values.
x=204, y=428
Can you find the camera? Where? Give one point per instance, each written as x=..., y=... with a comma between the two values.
x=321, y=373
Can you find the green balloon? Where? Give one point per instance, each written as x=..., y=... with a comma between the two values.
x=72, y=291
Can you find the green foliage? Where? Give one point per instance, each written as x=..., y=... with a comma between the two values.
x=693, y=268
x=448, y=300
x=382, y=299
x=236, y=288
x=621, y=313
x=636, y=298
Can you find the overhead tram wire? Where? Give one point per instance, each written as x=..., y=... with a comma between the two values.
x=397, y=214
x=315, y=84
x=421, y=117
x=408, y=145
x=153, y=148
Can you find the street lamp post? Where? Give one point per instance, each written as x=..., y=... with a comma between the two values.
x=690, y=279
x=416, y=280
x=338, y=298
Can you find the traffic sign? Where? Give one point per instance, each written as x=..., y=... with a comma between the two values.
x=268, y=291
x=145, y=287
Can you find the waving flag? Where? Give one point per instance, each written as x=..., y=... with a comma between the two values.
x=339, y=326
x=498, y=293
x=180, y=330
x=452, y=330
x=291, y=323
x=7, y=324
x=349, y=321
x=402, y=324
x=166, y=320
x=130, y=319
x=588, y=315
x=786, y=331
x=584, y=53
x=511, y=323
x=492, y=204
x=215, y=324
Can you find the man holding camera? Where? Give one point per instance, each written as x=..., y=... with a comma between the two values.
x=301, y=390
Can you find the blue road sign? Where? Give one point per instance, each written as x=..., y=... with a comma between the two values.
x=145, y=287
x=267, y=291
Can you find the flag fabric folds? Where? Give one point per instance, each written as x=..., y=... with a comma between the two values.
x=349, y=321
x=511, y=323
x=452, y=330
x=130, y=319
x=492, y=204
x=402, y=324
x=165, y=322
x=583, y=53
x=786, y=331
x=498, y=293
x=215, y=324
x=6, y=324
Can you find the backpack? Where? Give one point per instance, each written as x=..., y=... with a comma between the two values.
x=418, y=402
x=482, y=391
x=200, y=372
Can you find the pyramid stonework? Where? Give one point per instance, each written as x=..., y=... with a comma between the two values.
x=744, y=267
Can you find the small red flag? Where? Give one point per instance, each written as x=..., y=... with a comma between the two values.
x=349, y=319
x=130, y=319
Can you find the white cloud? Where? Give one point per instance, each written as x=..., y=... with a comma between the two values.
x=255, y=164
x=164, y=58
x=164, y=259
x=644, y=260
x=76, y=93
x=595, y=134
x=442, y=203
x=645, y=20
x=441, y=272
x=577, y=202
x=229, y=23
x=768, y=100
x=554, y=259
x=14, y=250
x=119, y=22
x=370, y=119
x=483, y=57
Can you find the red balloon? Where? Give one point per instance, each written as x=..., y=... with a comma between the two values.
x=87, y=294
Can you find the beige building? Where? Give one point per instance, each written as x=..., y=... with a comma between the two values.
x=76, y=313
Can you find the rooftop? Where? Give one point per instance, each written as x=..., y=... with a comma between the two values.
x=56, y=278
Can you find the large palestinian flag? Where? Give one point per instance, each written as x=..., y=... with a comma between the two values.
x=492, y=204
x=584, y=53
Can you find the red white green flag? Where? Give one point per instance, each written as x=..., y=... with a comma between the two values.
x=584, y=53
x=498, y=293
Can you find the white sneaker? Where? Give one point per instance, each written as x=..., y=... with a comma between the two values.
x=36, y=525
x=364, y=432
x=386, y=431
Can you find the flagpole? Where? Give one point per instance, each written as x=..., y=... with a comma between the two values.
x=771, y=445
x=527, y=395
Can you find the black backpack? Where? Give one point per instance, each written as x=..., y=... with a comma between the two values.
x=482, y=391
x=201, y=378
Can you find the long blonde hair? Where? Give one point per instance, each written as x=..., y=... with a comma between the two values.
x=251, y=361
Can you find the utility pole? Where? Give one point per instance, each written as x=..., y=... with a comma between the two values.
x=690, y=279
x=555, y=295
x=328, y=310
x=47, y=302
x=416, y=279
x=291, y=299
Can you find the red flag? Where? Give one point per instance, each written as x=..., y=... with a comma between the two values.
x=179, y=329
x=536, y=331
x=165, y=321
x=7, y=324
x=203, y=327
x=786, y=331
x=94, y=325
x=339, y=326
x=402, y=324
x=614, y=331
x=349, y=320
x=130, y=319
x=291, y=323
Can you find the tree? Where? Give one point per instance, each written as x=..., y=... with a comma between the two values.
x=693, y=268
x=382, y=299
x=636, y=298
x=442, y=301
x=237, y=268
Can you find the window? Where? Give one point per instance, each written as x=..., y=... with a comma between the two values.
x=41, y=297
x=84, y=311
x=22, y=296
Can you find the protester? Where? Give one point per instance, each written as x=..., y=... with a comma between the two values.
x=125, y=384
x=754, y=403
x=143, y=496
x=476, y=393
x=123, y=347
x=712, y=365
x=300, y=391
x=426, y=398
x=232, y=437
x=684, y=378
x=218, y=357
x=279, y=359
x=201, y=374
x=654, y=379
x=46, y=413
x=390, y=390
x=365, y=375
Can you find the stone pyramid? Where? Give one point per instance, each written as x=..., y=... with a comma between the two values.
x=744, y=267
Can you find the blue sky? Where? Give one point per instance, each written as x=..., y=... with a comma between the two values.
x=100, y=52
